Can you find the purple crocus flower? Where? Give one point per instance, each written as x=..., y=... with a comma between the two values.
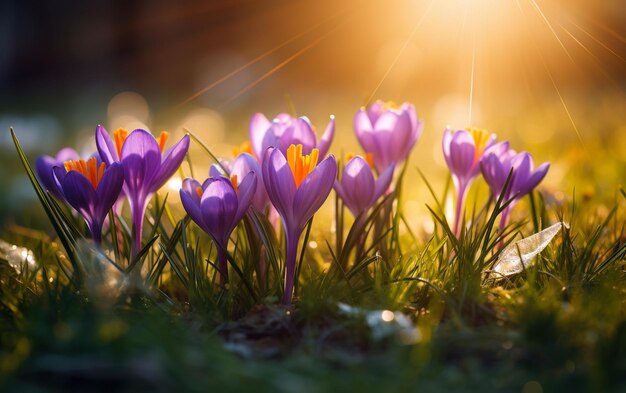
x=496, y=166
x=297, y=186
x=217, y=206
x=91, y=189
x=285, y=131
x=146, y=167
x=44, y=165
x=388, y=132
x=357, y=188
x=463, y=151
x=237, y=169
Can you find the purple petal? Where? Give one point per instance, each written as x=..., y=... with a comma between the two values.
x=43, y=167
x=279, y=183
x=141, y=158
x=109, y=188
x=494, y=173
x=245, y=193
x=374, y=111
x=364, y=131
x=314, y=190
x=190, y=186
x=171, y=162
x=66, y=154
x=537, y=176
x=105, y=145
x=79, y=193
x=300, y=133
x=327, y=138
x=191, y=204
x=219, y=207
x=244, y=164
x=462, y=155
x=401, y=136
x=259, y=125
x=358, y=184
x=382, y=183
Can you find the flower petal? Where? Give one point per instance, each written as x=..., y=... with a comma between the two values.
x=382, y=183
x=259, y=125
x=141, y=158
x=279, y=183
x=43, y=167
x=79, y=193
x=358, y=183
x=105, y=145
x=327, y=138
x=314, y=190
x=219, y=207
x=245, y=193
x=109, y=189
x=191, y=204
x=171, y=162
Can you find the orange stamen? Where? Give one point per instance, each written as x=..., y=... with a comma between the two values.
x=481, y=137
x=162, y=139
x=245, y=147
x=119, y=136
x=89, y=169
x=301, y=165
x=369, y=158
x=233, y=181
x=199, y=192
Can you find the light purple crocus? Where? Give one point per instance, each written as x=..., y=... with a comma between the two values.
x=91, y=188
x=146, y=167
x=388, y=132
x=217, y=206
x=496, y=166
x=44, y=165
x=358, y=189
x=240, y=167
x=297, y=186
x=463, y=151
x=284, y=131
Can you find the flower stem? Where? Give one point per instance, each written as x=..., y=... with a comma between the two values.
x=460, y=207
x=222, y=265
x=291, y=242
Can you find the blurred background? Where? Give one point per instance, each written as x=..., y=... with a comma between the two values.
x=550, y=75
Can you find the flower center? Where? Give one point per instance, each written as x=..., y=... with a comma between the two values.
x=369, y=158
x=301, y=165
x=120, y=135
x=245, y=147
x=481, y=137
x=390, y=105
x=233, y=181
x=89, y=169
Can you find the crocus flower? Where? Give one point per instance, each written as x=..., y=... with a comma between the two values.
x=44, y=165
x=242, y=165
x=297, y=186
x=357, y=188
x=285, y=131
x=388, y=132
x=91, y=189
x=463, y=151
x=496, y=166
x=217, y=206
x=146, y=167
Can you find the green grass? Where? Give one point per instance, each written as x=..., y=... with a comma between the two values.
x=86, y=320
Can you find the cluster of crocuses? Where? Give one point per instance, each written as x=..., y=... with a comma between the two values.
x=133, y=164
x=282, y=170
x=510, y=175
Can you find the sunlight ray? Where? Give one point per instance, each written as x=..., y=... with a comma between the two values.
x=282, y=64
x=598, y=41
x=257, y=59
x=547, y=22
x=402, y=49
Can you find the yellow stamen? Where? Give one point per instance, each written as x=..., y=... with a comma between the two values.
x=390, y=105
x=245, y=147
x=89, y=169
x=301, y=165
x=369, y=158
x=119, y=136
x=162, y=139
x=233, y=180
x=481, y=137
